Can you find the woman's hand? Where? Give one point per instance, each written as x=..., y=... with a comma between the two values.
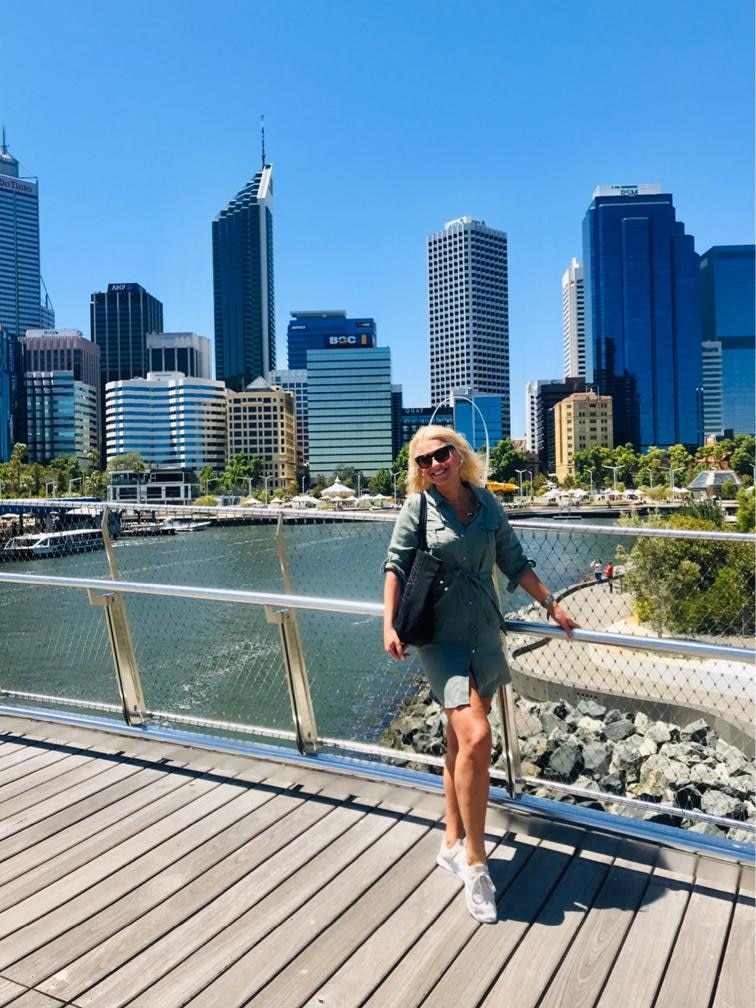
x=393, y=646
x=564, y=620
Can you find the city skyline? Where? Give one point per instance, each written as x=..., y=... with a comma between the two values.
x=368, y=162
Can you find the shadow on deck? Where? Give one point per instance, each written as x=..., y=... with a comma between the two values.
x=167, y=875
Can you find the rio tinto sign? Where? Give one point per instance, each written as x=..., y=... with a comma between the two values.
x=20, y=186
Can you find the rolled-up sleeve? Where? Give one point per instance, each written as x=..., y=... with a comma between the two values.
x=510, y=556
x=404, y=539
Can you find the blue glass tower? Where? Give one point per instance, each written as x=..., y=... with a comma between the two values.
x=322, y=330
x=643, y=328
x=728, y=307
x=245, y=334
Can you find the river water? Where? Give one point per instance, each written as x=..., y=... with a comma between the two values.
x=222, y=661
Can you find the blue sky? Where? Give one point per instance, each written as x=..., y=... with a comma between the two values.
x=383, y=121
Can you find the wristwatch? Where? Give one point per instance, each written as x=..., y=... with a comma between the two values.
x=550, y=600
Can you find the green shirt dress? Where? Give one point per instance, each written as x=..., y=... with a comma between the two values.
x=467, y=642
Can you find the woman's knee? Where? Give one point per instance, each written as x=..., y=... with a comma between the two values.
x=475, y=740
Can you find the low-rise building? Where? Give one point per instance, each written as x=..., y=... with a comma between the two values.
x=581, y=420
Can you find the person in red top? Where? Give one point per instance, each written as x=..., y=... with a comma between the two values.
x=609, y=575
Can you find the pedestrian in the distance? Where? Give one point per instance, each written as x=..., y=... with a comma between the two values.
x=597, y=570
x=467, y=529
x=609, y=575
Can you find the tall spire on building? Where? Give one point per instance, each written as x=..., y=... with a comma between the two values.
x=3, y=145
x=262, y=138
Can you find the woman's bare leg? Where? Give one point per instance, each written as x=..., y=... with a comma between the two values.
x=455, y=828
x=468, y=773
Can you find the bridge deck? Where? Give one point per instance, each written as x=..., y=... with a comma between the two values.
x=168, y=876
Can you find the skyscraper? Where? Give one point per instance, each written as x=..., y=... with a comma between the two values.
x=573, y=321
x=728, y=306
x=21, y=285
x=245, y=337
x=320, y=330
x=469, y=312
x=120, y=319
x=643, y=327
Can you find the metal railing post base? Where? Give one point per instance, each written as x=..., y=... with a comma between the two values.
x=124, y=658
x=302, y=711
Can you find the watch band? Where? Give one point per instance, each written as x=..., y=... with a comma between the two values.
x=550, y=600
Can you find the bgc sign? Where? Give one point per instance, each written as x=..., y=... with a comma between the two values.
x=350, y=342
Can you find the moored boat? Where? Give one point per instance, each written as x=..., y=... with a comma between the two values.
x=52, y=544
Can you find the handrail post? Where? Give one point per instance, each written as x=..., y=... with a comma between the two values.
x=505, y=709
x=302, y=711
x=121, y=643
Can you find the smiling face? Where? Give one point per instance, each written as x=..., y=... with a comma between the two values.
x=442, y=474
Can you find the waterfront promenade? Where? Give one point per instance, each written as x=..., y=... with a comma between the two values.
x=151, y=874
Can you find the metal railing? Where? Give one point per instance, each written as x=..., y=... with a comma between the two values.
x=312, y=697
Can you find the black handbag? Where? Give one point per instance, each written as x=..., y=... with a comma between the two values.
x=413, y=620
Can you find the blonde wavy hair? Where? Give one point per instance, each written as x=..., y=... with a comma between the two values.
x=471, y=470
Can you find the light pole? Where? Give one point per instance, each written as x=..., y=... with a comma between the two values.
x=359, y=484
x=303, y=485
x=614, y=469
x=530, y=473
x=48, y=484
x=77, y=479
x=450, y=399
x=267, y=480
x=394, y=476
x=519, y=473
x=650, y=472
x=672, y=472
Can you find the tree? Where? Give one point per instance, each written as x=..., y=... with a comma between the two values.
x=18, y=454
x=691, y=585
x=382, y=483
x=505, y=460
x=591, y=462
x=746, y=516
x=742, y=458
x=129, y=461
x=205, y=475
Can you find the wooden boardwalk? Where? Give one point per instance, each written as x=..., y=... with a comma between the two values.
x=164, y=876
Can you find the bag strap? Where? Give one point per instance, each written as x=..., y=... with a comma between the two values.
x=422, y=539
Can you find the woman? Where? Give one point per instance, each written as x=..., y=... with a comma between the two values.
x=467, y=530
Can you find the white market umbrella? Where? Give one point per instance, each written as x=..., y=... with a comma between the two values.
x=337, y=491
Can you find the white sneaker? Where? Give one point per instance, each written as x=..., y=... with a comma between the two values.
x=452, y=859
x=480, y=893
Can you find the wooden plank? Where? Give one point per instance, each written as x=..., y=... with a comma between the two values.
x=46, y=768
x=249, y=919
x=84, y=891
x=582, y=974
x=326, y=949
x=37, y=803
x=33, y=999
x=639, y=967
x=16, y=752
x=79, y=821
x=736, y=986
x=416, y=974
x=8, y=991
x=692, y=970
x=541, y=950
x=198, y=911
x=96, y=947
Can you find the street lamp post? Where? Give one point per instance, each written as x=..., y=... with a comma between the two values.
x=303, y=484
x=359, y=484
x=519, y=473
x=450, y=399
x=672, y=472
x=650, y=472
x=614, y=469
x=48, y=484
x=394, y=477
x=530, y=473
x=267, y=480
x=77, y=479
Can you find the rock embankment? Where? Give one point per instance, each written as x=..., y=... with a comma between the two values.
x=596, y=748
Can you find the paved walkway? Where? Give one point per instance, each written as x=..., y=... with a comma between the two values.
x=724, y=688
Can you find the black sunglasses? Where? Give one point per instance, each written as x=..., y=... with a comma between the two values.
x=440, y=455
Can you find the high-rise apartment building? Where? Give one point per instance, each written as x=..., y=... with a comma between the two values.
x=349, y=396
x=294, y=380
x=643, y=325
x=320, y=330
x=169, y=420
x=580, y=420
x=245, y=335
x=21, y=286
x=261, y=422
x=728, y=308
x=61, y=379
x=573, y=321
x=180, y=351
x=469, y=312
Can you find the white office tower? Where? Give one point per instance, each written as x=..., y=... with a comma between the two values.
x=168, y=419
x=573, y=321
x=179, y=351
x=468, y=307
